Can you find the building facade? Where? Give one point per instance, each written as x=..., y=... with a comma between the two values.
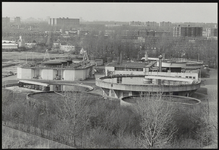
x=17, y=20
x=165, y=24
x=72, y=22
x=187, y=31
x=5, y=20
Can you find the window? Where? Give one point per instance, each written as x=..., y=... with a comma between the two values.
x=119, y=80
x=119, y=68
x=193, y=77
x=140, y=69
x=186, y=76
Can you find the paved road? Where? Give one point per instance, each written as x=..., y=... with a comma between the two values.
x=212, y=96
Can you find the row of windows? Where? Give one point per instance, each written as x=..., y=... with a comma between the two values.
x=128, y=69
x=190, y=77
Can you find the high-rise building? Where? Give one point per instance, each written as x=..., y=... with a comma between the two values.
x=17, y=20
x=136, y=23
x=5, y=20
x=165, y=24
x=187, y=31
x=151, y=24
x=68, y=22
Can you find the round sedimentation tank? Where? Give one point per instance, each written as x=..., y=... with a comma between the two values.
x=58, y=97
x=132, y=100
x=119, y=86
x=184, y=106
x=51, y=95
x=180, y=100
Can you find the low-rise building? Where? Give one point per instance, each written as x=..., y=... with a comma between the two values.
x=59, y=69
x=9, y=45
x=67, y=48
x=30, y=45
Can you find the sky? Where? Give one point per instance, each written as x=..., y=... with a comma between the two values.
x=93, y=11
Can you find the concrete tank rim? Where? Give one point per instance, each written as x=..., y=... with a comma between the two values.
x=198, y=101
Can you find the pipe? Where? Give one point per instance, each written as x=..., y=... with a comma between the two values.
x=160, y=63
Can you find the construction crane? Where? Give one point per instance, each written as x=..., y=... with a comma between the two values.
x=85, y=56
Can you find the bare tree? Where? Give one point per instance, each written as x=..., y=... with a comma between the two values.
x=73, y=111
x=156, y=122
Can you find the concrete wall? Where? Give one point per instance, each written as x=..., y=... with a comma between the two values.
x=80, y=74
x=51, y=87
x=109, y=68
x=19, y=72
x=110, y=80
x=47, y=74
x=25, y=73
x=168, y=64
x=130, y=72
x=69, y=75
x=129, y=80
x=149, y=88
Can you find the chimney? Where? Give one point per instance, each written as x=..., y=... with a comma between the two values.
x=146, y=55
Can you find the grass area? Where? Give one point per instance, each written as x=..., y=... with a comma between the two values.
x=12, y=138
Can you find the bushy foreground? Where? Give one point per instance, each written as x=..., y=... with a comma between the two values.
x=88, y=121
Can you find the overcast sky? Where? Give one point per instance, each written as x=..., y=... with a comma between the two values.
x=173, y=12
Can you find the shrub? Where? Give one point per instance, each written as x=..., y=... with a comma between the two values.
x=205, y=73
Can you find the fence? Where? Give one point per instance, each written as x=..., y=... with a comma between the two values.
x=67, y=140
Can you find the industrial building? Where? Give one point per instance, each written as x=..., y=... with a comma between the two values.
x=149, y=64
x=58, y=69
x=151, y=76
x=9, y=45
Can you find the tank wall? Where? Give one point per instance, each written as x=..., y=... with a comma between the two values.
x=129, y=80
x=168, y=64
x=47, y=74
x=19, y=72
x=25, y=73
x=80, y=74
x=69, y=75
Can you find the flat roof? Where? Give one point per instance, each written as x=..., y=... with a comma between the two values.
x=55, y=61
